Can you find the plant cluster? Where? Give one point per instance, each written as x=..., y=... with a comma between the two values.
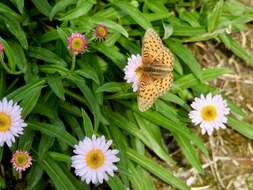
x=62, y=64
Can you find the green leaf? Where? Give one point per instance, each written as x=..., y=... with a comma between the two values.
x=55, y=83
x=168, y=30
x=34, y=176
x=60, y=6
x=8, y=11
x=49, y=36
x=241, y=126
x=234, y=108
x=70, y=108
x=62, y=34
x=110, y=87
x=9, y=53
x=45, y=144
x=158, y=119
x=90, y=73
x=175, y=99
x=29, y=102
x=46, y=55
x=93, y=104
x=113, y=54
x=14, y=27
x=43, y=6
x=190, y=17
x=73, y=124
x=2, y=83
x=25, y=91
x=115, y=183
x=2, y=183
x=26, y=140
x=87, y=125
x=144, y=134
x=57, y=174
x=134, y=13
x=19, y=56
x=140, y=178
x=184, y=54
x=189, y=80
x=53, y=131
x=60, y=157
x=231, y=44
x=156, y=169
x=187, y=30
x=149, y=138
x=157, y=7
x=20, y=5
x=80, y=10
x=189, y=151
x=214, y=16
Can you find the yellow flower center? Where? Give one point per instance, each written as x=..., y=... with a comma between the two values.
x=21, y=159
x=209, y=113
x=77, y=43
x=101, y=31
x=95, y=158
x=5, y=122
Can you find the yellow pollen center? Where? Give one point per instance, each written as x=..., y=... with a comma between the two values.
x=209, y=113
x=101, y=31
x=139, y=71
x=5, y=122
x=21, y=159
x=95, y=158
x=77, y=43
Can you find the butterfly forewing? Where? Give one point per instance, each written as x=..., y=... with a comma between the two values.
x=151, y=46
x=154, y=83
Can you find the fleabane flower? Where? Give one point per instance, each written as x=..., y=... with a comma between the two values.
x=11, y=122
x=209, y=112
x=93, y=160
x=131, y=71
x=77, y=43
x=1, y=48
x=21, y=160
x=101, y=32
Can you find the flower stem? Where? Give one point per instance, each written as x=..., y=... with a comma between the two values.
x=73, y=63
x=20, y=175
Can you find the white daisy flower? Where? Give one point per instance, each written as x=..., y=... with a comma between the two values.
x=21, y=160
x=209, y=112
x=94, y=160
x=11, y=122
x=131, y=75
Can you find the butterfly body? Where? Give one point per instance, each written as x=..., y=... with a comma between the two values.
x=156, y=70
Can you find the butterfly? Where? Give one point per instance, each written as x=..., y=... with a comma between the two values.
x=155, y=73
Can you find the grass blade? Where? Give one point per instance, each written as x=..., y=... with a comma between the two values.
x=156, y=169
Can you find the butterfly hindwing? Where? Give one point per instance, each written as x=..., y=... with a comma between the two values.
x=150, y=91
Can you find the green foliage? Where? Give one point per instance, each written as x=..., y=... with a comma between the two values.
x=61, y=105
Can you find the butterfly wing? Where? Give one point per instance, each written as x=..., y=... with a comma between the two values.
x=153, y=52
x=151, y=46
x=150, y=91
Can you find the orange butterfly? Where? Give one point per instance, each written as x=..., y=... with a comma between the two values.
x=155, y=72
